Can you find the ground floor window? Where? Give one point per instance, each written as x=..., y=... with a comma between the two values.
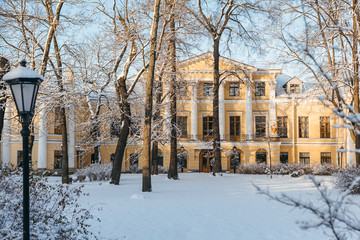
x=325, y=157
x=160, y=159
x=261, y=157
x=57, y=159
x=235, y=160
x=134, y=162
x=284, y=157
x=304, y=158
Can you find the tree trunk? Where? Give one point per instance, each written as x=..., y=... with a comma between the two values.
x=4, y=68
x=146, y=183
x=173, y=174
x=355, y=60
x=65, y=157
x=154, y=158
x=216, y=131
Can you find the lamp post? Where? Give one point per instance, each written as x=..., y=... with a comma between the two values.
x=340, y=156
x=24, y=84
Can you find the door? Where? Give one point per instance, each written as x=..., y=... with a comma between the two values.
x=206, y=159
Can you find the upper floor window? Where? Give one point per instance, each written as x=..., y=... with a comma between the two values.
x=259, y=89
x=115, y=129
x=304, y=158
x=282, y=127
x=260, y=126
x=234, y=89
x=57, y=121
x=294, y=88
x=303, y=127
x=325, y=127
x=325, y=157
x=235, y=128
x=182, y=124
x=207, y=126
x=208, y=89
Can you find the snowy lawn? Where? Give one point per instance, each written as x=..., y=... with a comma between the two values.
x=200, y=206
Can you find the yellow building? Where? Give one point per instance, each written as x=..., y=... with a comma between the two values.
x=264, y=117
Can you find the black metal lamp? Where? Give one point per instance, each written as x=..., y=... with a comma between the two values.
x=24, y=84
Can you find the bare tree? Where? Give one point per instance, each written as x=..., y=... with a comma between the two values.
x=216, y=23
x=146, y=184
x=325, y=42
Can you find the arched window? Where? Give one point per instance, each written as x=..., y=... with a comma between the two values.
x=235, y=159
x=182, y=159
x=261, y=156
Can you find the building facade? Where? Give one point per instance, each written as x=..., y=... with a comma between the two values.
x=264, y=116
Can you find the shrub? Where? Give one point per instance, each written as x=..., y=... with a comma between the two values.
x=254, y=168
x=54, y=209
x=345, y=177
x=95, y=172
x=325, y=169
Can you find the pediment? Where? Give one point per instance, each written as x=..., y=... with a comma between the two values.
x=204, y=62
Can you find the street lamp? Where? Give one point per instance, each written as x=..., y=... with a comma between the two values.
x=24, y=84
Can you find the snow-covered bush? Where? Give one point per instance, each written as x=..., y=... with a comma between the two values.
x=325, y=169
x=95, y=172
x=54, y=209
x=252, y=168
x=345, y=178
x=280, y=169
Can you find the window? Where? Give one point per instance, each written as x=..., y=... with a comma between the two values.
x=234, y=89
x=260, y=126
x=234, y=128
x=303, y=127
x=261, y=157
x=325, y=127
x=182, y=124
x=208, y=89
x=284, y=157
x=115, y=129
x=134, y=162
x=304, y=158
x=294, y=88
x=57, y=121
x=325, y=157
x=282, y=127
x=19, y=158
x=57, y=159
x=207, y=126
x=259, y=89
x=160, y=159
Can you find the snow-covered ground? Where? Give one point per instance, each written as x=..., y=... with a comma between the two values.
x=200, y=206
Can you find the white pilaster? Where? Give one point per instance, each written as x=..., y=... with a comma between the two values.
x=42, y=151
x=248, y=113
x=194, y=112
x=5, y=156
x=350, y=146
x=167, y=113
x=222, y=111
x=71, y=147
x=272, y=111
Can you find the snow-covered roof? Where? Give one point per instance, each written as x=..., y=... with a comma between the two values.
x=22, y=72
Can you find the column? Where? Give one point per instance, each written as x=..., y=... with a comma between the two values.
x=167, y=113
x=222, y=111
x=5, y=156
x=248, y=113
x=71, y=146
x=272, y=110
x=194, y=112
x=350, y=146
x=42, y=151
